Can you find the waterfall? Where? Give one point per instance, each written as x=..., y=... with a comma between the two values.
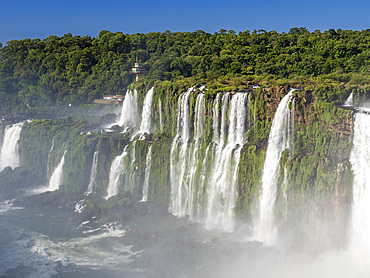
x=221, y=191
x=360, y=161
x=147, y=112
x=216, y=119
x=291, y=128
x=203, y=182
x=285, y=195
x=132, y=169
x=148, y=164
x=92, y=174
x=178, y=156
x=349, y=101
x=160, y=115
x=48, y=170
x=129, y=112
x=191, y=178
x=115, y=173
x=9, y=155
x=265, y=229
x=56, y=178
x=255, y=120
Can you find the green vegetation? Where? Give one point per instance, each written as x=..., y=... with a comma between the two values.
x=74, y=69
x=325, y=67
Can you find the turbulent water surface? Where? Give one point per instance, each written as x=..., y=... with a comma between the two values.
x=53, y=243
x=198, y=234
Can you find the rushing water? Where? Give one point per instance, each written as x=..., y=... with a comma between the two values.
x=129, y=112
x=115, y=174
x=38, y=243
x=94, y=165
x=9, y=155
x=148, y=164
x=48, y=174
x=203, y=185
x=56, y=178
x=160, y=115
x=179, y=155
x=146, y=118
x=349, y=100
x=222, y=192
x=54, y=243
x=360, y=160
x=265, y=229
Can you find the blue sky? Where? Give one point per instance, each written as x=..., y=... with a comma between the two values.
x=21, y=19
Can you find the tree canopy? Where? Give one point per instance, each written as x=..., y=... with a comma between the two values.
x=77, y=69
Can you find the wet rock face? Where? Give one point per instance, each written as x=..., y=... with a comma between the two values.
x=318, y=173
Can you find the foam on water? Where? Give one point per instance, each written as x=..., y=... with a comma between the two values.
x=26, y=253
x=9, y=155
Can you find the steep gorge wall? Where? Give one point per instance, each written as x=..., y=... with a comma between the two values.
x=319, y=176
x=316, y=190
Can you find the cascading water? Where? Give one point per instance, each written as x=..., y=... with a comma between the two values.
x=285, y=195
x=359, y=244
x=223, y=131
x=349, y=101
x=94, y=165
x=131, y=171
x=265, y=229
x=160, y=115
x=146, y=117
x=56, y=178
x=222, y=192
x=178, y=156
x=129, y=112
x=216, y=119
x=48, y=170
x=9, y=155
x=148, y=164
x=208, y=196
x=115, y=173
x=191, y=177
x=291, y=128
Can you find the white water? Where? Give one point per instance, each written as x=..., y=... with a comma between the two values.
x=265, y=229
x=148, y=164
x=160, y=115
x=349, y=101
x=146, y=118
x=56, y=178
x=178, y=156
x=208, y=196
x=290, y=143
x=222, y=192
x=360, y=160
x=223, y=131
x=285, y=196
x=115, y=173
x=132, y=169
x=48, y=170
x=34, y=251
x=94, y=165
x=199, y=126
x=9, y=155
x=216, y=119
x=129, y=112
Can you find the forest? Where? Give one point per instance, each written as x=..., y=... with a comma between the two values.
x=74, y=70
